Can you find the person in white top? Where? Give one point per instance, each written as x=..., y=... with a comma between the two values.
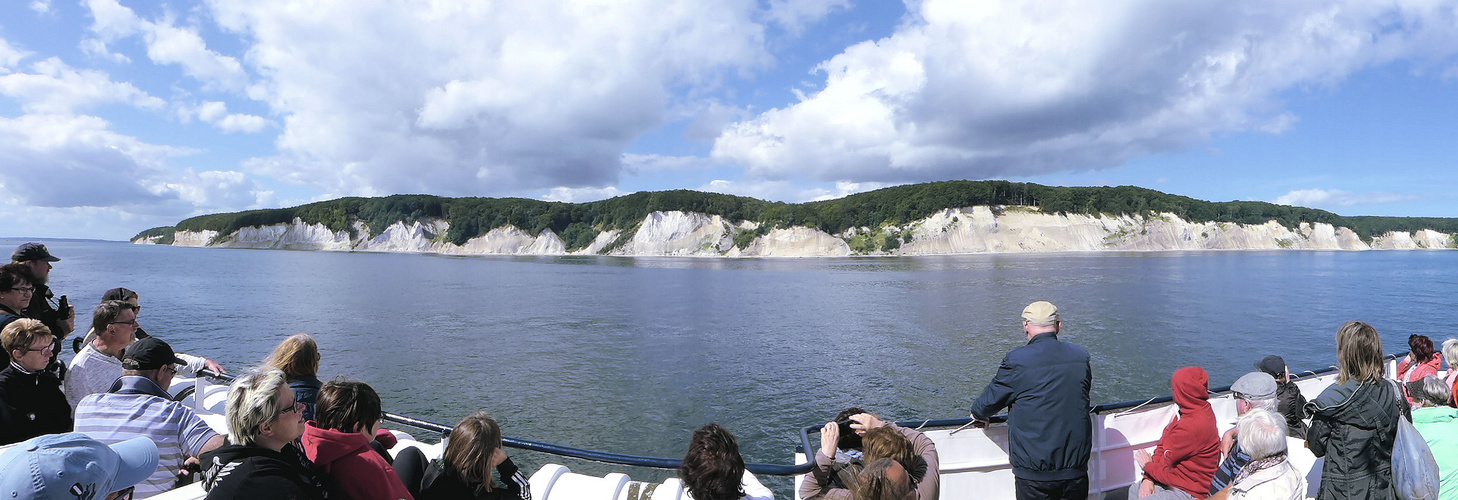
x=98, y=365
x=194, y=363
x=1269, y=475
x=713, y=469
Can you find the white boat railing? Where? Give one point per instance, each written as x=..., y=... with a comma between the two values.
x=973, y=461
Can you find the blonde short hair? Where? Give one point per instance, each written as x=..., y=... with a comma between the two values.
x=252, y=402
x=21, y=333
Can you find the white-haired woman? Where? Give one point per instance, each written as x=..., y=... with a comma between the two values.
x=1438, y=423
x=260, y=460
x=1450, y=355
x=1269, y=475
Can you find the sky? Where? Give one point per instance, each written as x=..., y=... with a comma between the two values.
x=117, y=116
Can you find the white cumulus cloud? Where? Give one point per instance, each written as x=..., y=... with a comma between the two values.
x=465, y=98
x=1326, y=198
x=54, y=87
x=216, y=113
x=10, y=57
x=787, y=191
x=582, y=195
x=793, y=15
x=968, y=89
x=166, y=44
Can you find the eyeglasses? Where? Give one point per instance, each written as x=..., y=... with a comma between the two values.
x=47, y=348
x=132, y=322
x=294, y=407
x=24, y=289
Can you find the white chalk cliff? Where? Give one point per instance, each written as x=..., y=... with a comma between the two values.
x=951, y=231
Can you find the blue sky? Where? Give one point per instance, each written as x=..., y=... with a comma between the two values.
x=116, y=116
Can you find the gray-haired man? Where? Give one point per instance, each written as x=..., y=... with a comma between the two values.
x=1253, y=391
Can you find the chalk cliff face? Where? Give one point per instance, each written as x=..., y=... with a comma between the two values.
x=951, y=231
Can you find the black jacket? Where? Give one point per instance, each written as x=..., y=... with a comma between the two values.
x=431, y=480
x=1046, y=384
x=7, y=316
x=40, y=309
x=31, y=404
x=1354, y=425
x=1292, y=405
x=242, y=471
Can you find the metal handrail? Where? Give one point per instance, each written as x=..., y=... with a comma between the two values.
x=757, y=468
x=568, y=451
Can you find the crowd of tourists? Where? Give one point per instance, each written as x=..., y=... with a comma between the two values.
x=106, y=426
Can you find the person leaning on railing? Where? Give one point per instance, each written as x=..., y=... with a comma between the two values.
x=1354, y=421
x=464, y=470
x=1050, y=432
x=191, y=364
x=260, y=460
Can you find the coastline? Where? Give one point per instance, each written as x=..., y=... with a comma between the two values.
x=959, y=231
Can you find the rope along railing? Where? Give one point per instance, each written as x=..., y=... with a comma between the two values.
x=757, y=468
x=568, y=451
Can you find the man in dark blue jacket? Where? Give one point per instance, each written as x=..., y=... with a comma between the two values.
x=1046, y=384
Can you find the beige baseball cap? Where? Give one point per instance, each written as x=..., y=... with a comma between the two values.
x=1041, y=313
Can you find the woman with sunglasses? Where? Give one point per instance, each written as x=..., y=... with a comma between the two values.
x=260, y=459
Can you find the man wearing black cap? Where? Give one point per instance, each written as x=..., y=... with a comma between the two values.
x=1289, y=401
x=138, y=404
x=59, y=317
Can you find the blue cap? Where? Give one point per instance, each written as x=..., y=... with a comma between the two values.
x=70, y=466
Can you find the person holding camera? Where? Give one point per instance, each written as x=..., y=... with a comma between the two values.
x=59, y=317
x=915, y=450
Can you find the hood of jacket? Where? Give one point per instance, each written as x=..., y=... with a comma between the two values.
x=326, y=446
x=1364, y=404
x=237, y=453
x=1434, y=415
x=1191, y=387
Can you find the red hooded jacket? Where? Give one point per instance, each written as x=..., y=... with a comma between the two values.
x=356, y=469
x=1189, y=450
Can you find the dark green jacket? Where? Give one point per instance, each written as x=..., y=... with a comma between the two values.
x=1354, y=425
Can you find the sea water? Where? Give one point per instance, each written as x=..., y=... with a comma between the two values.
x=631, y=355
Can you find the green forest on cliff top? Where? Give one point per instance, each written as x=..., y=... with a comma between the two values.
x=579, y=223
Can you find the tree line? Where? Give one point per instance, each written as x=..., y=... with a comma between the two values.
x=578, y=224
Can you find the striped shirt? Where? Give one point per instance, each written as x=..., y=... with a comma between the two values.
x=178, y=432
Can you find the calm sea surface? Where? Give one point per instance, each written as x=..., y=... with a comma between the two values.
x=632, y=354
